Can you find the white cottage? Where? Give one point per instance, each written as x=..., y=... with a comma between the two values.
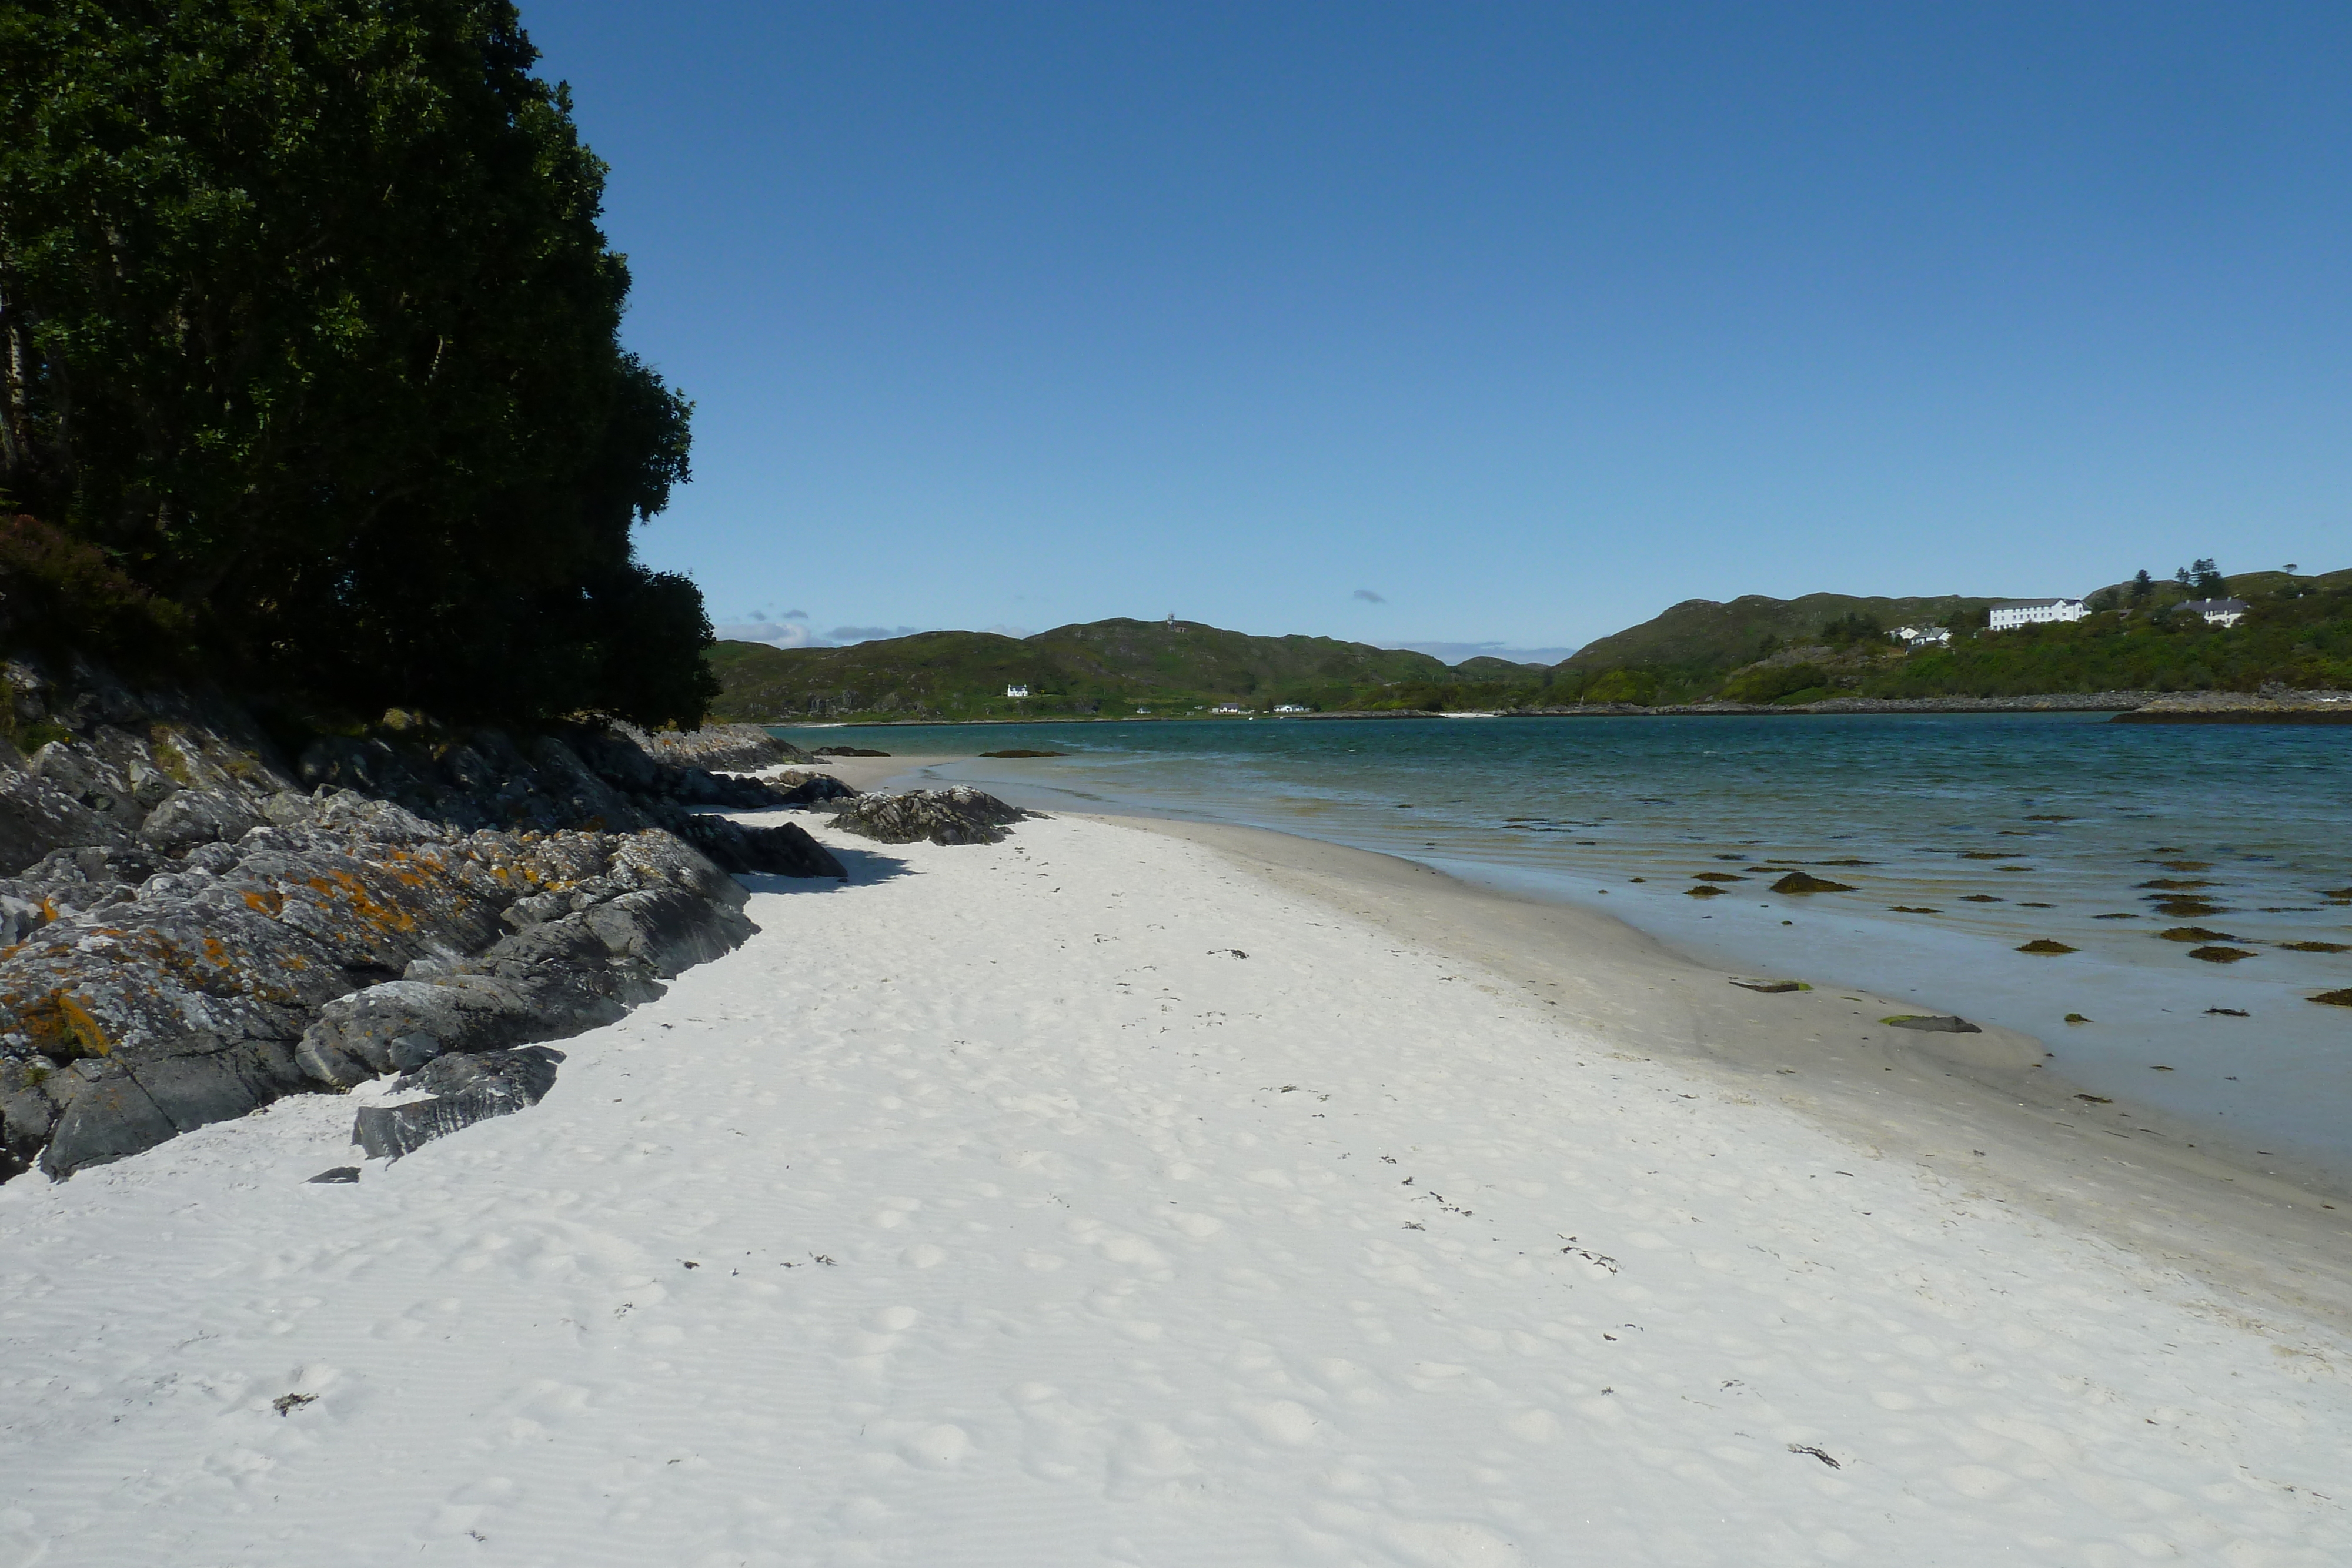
x=2223, y=612
x=2011, y=613
x=1016, y=691
x=1923, y=636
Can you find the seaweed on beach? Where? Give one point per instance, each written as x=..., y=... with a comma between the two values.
x=2219, y=955
x=1718, y=877
x=2196, y=934
x=2316, y=946
x=2044, y=946
x=1705, y=890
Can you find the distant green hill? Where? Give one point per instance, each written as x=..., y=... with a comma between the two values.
x=1101, y=667
x=2298, y=631
x=1699, y=637
x=1754, y=649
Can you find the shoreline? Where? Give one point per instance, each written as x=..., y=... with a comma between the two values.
x=2138, y=1176
x=2126, y=707
x=1977, y=1108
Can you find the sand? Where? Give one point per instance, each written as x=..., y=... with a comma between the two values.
x=1129, y=1196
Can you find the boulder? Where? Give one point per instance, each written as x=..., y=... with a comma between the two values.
x=462, y=1090
x=191, y=816
x=957, y=815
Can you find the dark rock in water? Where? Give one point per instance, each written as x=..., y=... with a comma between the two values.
x=2334, y=998
x=2188, y=908
x=1024, y=753
x=465, y=1089
x=2197, y=933
x=1772, y=988
x=1803, y=882
x=1704, y=889
x=848, y=751
x=2219, y=955
x=2044, y=946
x=1717, y=876
x=957, y=815
x=1933, y=1023
x=339, y=1174
x=2315, y=948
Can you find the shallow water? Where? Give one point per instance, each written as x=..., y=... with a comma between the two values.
x=1963, y=837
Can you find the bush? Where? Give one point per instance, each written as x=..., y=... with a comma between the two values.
x=57, y=592
x=1773, y=683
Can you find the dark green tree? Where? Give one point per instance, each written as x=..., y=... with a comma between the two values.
x=2206, y=580
x=2142, y=586
x=307, y=321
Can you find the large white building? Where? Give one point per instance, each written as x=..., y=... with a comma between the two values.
x=2011, y=613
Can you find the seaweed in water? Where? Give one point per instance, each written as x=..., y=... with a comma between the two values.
x=1801, y=882
x=2219, y=955
x=2043, y=945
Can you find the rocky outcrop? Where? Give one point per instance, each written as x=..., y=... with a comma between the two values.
x=729, y=747
x=193, y=925
x=356, y=939
x=2271, y=705
x=957, y=815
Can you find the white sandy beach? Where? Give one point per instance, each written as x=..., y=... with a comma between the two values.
x=1106, y=1197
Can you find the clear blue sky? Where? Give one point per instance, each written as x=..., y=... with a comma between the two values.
x=1529, y=320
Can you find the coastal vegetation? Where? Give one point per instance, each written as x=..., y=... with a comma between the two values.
x=312, y=376
x=1104, y=667
x=2296, y=631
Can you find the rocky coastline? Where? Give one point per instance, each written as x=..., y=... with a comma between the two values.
x=195, y=923
x=2271, y=705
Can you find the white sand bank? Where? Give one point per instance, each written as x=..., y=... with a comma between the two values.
x=1033, y=1223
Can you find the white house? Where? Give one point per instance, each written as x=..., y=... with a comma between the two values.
x=2011, y=613
x=2222, y=612
x=1016, y=691
x=1292, y=708
x=1925, y=636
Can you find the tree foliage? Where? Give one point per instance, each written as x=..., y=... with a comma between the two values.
x=307, y=322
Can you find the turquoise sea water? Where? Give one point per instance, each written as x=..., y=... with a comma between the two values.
x=2008, y=827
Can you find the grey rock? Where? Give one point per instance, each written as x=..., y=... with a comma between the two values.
x=191, y=817
x=465, y=1089
x=413, y=1050
x=1936, y=1025
x=957, y=815
x=337, y=1175
x=783, y=850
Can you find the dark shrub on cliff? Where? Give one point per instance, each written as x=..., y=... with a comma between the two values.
x=307, y=323
x=57, y=592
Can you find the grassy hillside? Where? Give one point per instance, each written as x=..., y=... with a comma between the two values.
x=1794, y=650
x=1701, y=637
x=1754, y=649
x=1102, y=666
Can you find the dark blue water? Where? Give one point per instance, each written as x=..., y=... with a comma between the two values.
x=2008, y=827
